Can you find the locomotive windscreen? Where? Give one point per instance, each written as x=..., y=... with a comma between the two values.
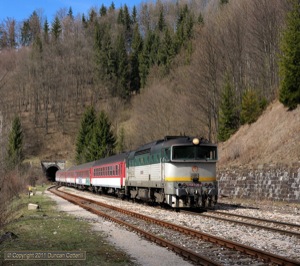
x=194, y=153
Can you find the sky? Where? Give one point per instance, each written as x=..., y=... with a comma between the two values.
x=22, y=9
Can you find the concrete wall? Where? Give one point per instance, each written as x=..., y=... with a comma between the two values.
x=273, y=182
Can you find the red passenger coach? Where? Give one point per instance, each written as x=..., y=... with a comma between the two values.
x=108, y=174
x=61, y=176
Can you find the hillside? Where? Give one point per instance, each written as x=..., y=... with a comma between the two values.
x=273, y=138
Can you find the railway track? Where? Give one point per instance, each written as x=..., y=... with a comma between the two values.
x=177, y=238
x=265, y=224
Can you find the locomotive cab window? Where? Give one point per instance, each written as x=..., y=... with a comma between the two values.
x=185, y=153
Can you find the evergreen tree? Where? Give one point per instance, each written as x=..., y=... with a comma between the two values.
x=166, y=51
x=84, y=22
x=92, y=16
x=228, y=117
x=120, y=19
x=134, y=15
x=145, y=58
x=103, y=142
x=85, y=134
x=26, y=36
x=46, y=31
x=56, y=28
x=112, y=7
x=103, y=10
x=105, y=58
x=136, y=48
x=161, y=20
x=70, y=13
x=200, y=19
x=127, y=18
x=224, y=2
x=15, y=145
x=121, y=69
x=289, y=64
x=184, y=27
x=250, y=107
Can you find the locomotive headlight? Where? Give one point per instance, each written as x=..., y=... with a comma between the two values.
x=196, y=141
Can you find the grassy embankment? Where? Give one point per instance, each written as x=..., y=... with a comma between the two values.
x=47, y=229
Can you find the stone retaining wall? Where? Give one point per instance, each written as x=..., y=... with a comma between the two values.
x=272, y=182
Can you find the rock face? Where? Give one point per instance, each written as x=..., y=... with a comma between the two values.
x=271, y=182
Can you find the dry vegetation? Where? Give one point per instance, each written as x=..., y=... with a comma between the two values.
x=50, y=90
x=273, y=138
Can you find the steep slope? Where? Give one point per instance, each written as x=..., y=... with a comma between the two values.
x=273, y=138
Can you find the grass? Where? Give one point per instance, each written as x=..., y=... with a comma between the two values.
x=46, y=229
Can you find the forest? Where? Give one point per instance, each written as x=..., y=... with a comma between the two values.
x=194, y=67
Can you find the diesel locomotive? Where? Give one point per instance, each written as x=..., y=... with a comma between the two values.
x=179, y=171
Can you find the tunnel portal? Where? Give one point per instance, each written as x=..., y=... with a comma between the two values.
x=51, y=167
x=50, y=173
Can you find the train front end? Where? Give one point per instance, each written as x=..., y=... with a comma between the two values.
x=190, y=174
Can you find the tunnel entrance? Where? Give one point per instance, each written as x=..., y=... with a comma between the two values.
x=50, y=173
x=51, y=167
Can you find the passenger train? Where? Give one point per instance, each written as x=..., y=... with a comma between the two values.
x=179, y=171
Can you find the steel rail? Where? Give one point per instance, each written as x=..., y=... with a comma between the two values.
x=277, y=230
x=188, y=254
x=266, y=256
x=255, y=219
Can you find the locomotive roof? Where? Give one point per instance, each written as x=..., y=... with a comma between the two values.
x=166, y=142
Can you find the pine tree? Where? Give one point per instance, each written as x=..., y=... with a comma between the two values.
x=92, y=16
x=134, y=15
x=56, y=28
x=103, y=10
x=200, y=19
x=26, y=36
x=84, y=22
x=122, y=86
x=289, y=64
x=112, y=7
x=15, y=145
x=30, y=29
x=70, y=13
x=166, y=51
x=228, y=117
x=103, y=142
x=161, y=20
x=145, y=58
x=250, y=107
x=127, y=18
x=136, y=47
x=224, y=2
x=85, y=134
x=184, y=27
x=46, y=31
x=105, y=58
